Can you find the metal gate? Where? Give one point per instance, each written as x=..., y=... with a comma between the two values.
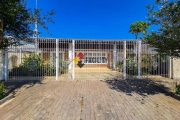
x=74, y=59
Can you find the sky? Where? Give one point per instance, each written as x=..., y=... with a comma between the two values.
x=92, y=19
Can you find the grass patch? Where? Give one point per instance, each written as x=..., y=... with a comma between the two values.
x=178, y=89
x=2, y=90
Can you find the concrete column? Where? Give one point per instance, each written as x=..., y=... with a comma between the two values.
x=70, y=56
x=124, y=62
x=114, y=56
x=57, y=58
x=176, y=68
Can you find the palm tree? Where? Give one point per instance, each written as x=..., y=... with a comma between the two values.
x=138, y=27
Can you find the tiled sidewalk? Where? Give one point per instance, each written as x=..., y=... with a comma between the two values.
x=91, y=100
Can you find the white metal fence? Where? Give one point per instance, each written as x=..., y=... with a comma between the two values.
x=68, y=59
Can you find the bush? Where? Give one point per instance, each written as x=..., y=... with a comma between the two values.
x=178, y=89
x=119, y=66
x=131, y=67
x=63, y=66
x=34, y=66
x=2, y=90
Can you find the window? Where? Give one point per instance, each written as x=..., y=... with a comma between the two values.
x=119, y=56
x=53, y=58
x=94, y=57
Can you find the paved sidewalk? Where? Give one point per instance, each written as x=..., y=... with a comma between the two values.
x=91, y=100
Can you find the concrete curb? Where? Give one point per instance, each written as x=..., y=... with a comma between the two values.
x=7, y=98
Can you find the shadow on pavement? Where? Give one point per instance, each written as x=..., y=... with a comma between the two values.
x=142, y=87
x=15, y=84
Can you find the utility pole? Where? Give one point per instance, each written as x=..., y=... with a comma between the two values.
x=35, y=34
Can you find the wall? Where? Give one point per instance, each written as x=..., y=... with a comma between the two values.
x=176, y=68
x=1, y=64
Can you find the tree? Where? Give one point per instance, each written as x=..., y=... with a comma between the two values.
x=166, y=15
x=138, y=27
x=16, y=21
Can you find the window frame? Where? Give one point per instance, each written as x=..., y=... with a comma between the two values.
x=92, y=52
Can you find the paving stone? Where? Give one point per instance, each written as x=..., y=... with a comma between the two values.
x=102, y=100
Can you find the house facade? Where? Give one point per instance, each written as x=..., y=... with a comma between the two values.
x=97, y=53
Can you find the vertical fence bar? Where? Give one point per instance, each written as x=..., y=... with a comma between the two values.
x=6, y=65
x=139, y=60
x=124, y=62
x=114, y=56
x=20, y=57
x=170, y=68
x=57, y=58
x=73, y=54
x=70, y=55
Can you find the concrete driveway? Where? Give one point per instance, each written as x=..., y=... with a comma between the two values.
x=91, y=100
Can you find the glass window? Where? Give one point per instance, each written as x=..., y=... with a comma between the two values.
x=85, y=54
x=98, y=54
x=89, y=54
x=95, y=57
x=54, y=58
x=94, y=54
x=103, y=54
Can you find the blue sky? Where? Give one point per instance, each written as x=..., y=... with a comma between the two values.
x=92, y=19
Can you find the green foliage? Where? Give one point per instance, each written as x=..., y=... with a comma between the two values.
x=137, y=27
x=147, y=64
x=131, y=67
x=17, y=20
x=178, y=89
x=119, y=65
x=2, y=90
x=63, y=66
x=33, y=66
x=34, y=59
x=165, y=14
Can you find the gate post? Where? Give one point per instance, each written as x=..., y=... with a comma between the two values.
x=139, y=60
x=70, y=56
x=73, y=53
x=114, y=56
x=124, y=62
x=6, y=65
x=57, y=58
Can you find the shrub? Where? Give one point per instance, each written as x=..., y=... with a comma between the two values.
x=2, y=90
x=119, y=65
x=34, y=66
x=63, y=66
x=131, y=67
x=178, y=89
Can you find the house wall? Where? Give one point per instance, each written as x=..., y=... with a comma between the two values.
x=46, y=57
x=66, y=56
x=1, y=64
x=93, y=66
x=14, y=59
x=110, y=59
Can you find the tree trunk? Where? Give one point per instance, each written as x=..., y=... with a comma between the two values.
x=1, y=34
x=136, y=46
